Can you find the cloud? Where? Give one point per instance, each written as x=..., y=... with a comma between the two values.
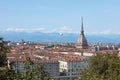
x=42, y=29
x=23, y=29
x=107, y=32
x=63, y=29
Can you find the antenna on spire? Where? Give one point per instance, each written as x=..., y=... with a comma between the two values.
x=82, y=31
x=82, y=24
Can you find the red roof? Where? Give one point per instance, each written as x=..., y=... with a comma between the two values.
x=105, y=51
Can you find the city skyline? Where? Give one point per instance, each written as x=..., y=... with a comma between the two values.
x=63, y=16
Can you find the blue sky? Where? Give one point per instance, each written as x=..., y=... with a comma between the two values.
x=64, y=16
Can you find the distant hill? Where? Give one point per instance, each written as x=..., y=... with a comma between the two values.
x=57, y=37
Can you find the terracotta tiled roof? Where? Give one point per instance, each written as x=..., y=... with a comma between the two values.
x=109, y=51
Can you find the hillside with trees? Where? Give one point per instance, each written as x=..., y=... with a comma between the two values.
x=103, y=67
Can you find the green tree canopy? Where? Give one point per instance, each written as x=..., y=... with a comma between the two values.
x=103, y=67
x=3, y=50
x=5, y=73
x=33, y=71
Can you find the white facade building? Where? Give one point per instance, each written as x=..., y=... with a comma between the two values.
x=71, y=68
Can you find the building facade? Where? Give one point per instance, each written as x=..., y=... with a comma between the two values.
x=52, y=67
x=72, y=68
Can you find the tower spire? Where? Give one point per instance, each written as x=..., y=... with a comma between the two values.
x=82, y=41
x=82, y=31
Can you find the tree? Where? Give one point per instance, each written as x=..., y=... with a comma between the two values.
x=5, y=73
x=3, y=51
x=33, y=71
x=39, y=70
x=103, y=67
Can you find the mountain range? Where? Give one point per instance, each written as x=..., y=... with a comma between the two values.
x=57, y=37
